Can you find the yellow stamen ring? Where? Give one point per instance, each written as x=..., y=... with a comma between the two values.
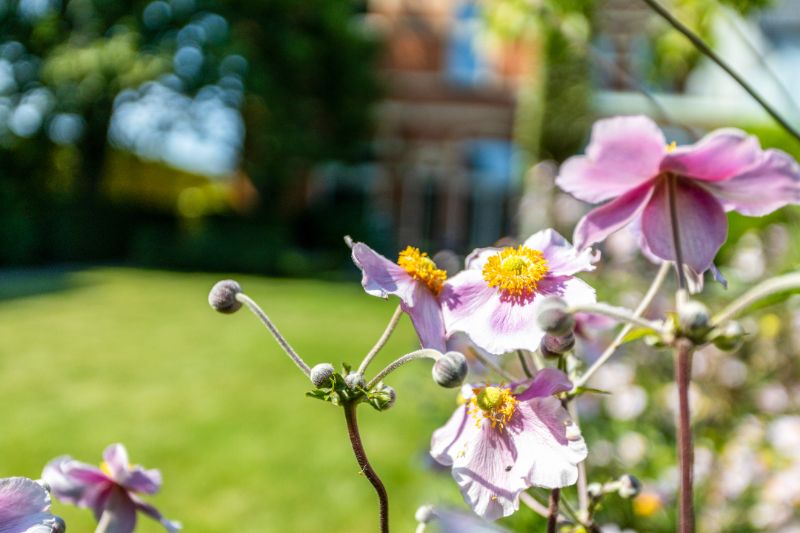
x=516, y=271
x=496, y=404
x=422, y=268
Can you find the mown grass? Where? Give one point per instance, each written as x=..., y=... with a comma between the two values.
x=98, y=356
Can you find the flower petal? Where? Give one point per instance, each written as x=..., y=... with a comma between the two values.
x=766, y=186
x=623, y=153
x=20, y=497
x=452, y=521
x=381, y=277
x=546, y=382
x=720, y=155
x=170, y=525
x=119, y=513
x=553, y=443
x=477, y=259
x=139, y=479
x=77, y=483
x=116, y=458
x=426, y=315
x=602, y=221
x=702, y=224
x=446, y=439
x=562, y=258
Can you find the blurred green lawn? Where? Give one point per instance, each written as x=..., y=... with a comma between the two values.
x=98, y=356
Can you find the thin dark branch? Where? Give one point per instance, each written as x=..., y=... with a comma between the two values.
x=524, y=364
x=708, y=52
x=552, y=511
x=366, y=468
x=683, y=370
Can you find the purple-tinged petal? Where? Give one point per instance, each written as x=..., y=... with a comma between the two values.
x=720, y=155
x=426, y=315
x=768, y=185
x=75, y=482
x=477, y=259
x=587, y=325
x=623, y=153
x=119, y=515
x=546, y=382
x=602, y=221
x=453, y=521
x=562, y=258
x=381, y=277
x=170, y=525
x=138, y=479
x=702, y=224
x=116, y=459
x=21, y=497
x=554, y=444
x=493, y=321
x=446, y=440
x=33, y=523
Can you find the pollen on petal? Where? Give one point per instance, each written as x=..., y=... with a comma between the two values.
x=515, y=271
x=422, y=268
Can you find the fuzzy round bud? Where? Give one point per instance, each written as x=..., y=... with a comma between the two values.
x=60, y=526
x=594, y=490
x=391, y=396
x=730, y=337
x=321, y=374
x=222, y=297
x=629, y=486
x=553, y=317
x=553, y=346
x=354, y=380
x=450, y=370
x=424, y=514
x=694, y=319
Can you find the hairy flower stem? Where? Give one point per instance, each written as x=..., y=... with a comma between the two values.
x=552, y=510
x=366, y=468
x=683, y=375
x=262, y=316
x=425, y=353
x=708, y=52
x=398, y=313
x=764, y=289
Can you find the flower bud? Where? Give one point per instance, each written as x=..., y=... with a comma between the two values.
x=730, y=337
x=321, y=374
x=354, y=380
x=450, y=370
x=552, y=346
x=553, y=317
x=424, y=514
x=60, y=526
x=629, y=486
x=223, y=296
x=594, y=490
x=694, y=319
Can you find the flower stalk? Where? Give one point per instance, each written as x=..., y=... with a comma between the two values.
x=683, y=371
x=366, y=467
x=552, y=510
x=425, y=353
x=387, y=333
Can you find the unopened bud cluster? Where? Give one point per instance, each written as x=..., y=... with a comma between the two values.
x=558, y=325
x=450, y=370
x=694, y=320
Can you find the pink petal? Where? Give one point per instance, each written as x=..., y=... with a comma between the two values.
x=761, y=189
x=445, y=440
x=426, y=315
x=477, y=259
x=120, y=512
x=546, y=382
x=562, y=258
x=623, y=153
x=701, y=221
x=552, y=442
x=20, y=497
x=75, y=482
x=170, y=525
x=719, y=155
x=602, y=221
x=381, y=277
x=141, y=480
x=116, y=458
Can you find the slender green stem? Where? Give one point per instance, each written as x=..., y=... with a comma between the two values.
x=648, y=298
x=387, y=333
x=256, y=310
x=425, y=353
x=524, y=363
x=617, y=313
x=764, y=289
x=552, y=510
x=683, y=371
x=706, y=50
x=366, y=467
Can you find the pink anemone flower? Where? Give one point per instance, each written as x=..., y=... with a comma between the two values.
x=495, y=300
x=109, y=491
x=503, y=440
x=415, y=279
x=25, y=508
x=629, y=162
